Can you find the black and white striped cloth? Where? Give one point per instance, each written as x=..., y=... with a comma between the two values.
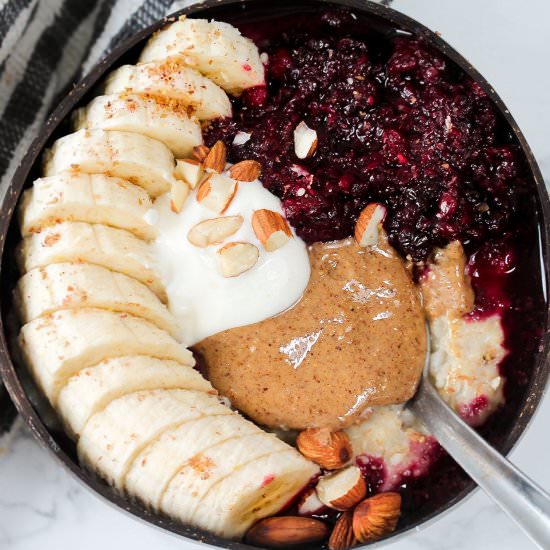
x=45, y=46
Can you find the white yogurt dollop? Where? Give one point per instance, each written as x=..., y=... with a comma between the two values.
x=204, y=301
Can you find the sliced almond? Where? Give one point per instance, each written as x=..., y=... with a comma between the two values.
x=190, y=171
x=216, y=158
x=343, y=489
x=214, y=231
x=366, y=228
x=286, y=531
x=342, y=537
x=179, y=192
x=246, y=170
x=309, y=503
x=216, y=192
x=271, y=229
x=376, y=517
x=200, y=152
x=305, y=141
x=236, y=258
x=331, y=450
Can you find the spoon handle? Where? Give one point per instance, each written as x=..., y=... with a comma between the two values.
x=521, y=498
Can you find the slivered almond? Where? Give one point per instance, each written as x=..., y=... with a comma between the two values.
x=305, y=141
x=366, y=228
x=286, y=531
x=271, y=229
x=331, y=450
x=216, y=192
x=179, y=192
x=214, y=231
x=342, y=537
x=376, y=517
x=246, y=170
x=310, y=504
x=200, y=152
x=236, y=258
x=343, y=489
x=189, y=170
x=216, y=158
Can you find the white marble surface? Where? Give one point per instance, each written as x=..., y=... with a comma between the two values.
x=41, y=506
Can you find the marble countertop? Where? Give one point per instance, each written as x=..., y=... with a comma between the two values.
x=41, y=506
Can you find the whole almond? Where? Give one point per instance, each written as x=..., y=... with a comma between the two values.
x=286, y=531
x=342, y=536
x=246, y=170
x=216, y=158
x=376, y=517
x=331, y=450
x=200, y=152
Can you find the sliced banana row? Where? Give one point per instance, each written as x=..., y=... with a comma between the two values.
x=96, y=334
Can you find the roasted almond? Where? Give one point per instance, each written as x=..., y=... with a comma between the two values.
x=216, y=192
x=305, y=141
x=216, y=158
x=246, y=170
x=331, y=450
x=286, y=531
x=366, y=228
x=189, y=170
x=179, y=192
x=376, y=517
x=342, y=489
x=236, y=258
x=200, y=152
x=271, y=229
x=214, y=231
x=309, y=503
x=342, y=537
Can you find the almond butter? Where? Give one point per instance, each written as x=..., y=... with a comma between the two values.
x=305, y=141
x=366, y=228
x=271, y=229
x=216, y=192
x=200, y=152
x=342, y=489
x=342, y=537
x=376, y=517
x=179, y=191
x=286, y=531
x=190, y=171
x=236, y=258
x=214, y=231
x=309, y=503
x=331, y=450
x=246, y=170
x=216, y=158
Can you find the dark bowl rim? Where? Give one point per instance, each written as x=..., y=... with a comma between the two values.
x=8, y=372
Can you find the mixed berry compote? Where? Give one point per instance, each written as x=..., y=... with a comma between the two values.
x=399, y=123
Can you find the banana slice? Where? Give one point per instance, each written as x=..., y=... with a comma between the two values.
x=257, y=490
x=171, y=79
x=157, y=464
x=80, y=242
x=218, y=50
x=164, y=120
x=92, y=389
x=204, y=470
x=141, y=160
x=230, y=486
x=113, y=438
x=92, y=198
x=45, y=290
x=59, y=345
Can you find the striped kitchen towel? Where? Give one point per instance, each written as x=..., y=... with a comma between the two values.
x=45, y=46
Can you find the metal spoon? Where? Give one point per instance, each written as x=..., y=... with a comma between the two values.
x=521, y=498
